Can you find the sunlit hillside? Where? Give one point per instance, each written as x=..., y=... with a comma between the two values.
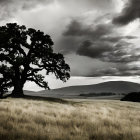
x=29, y=119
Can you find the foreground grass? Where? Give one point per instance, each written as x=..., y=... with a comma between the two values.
x=22, y=119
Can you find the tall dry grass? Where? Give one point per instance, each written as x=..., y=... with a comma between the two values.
x=22, y=119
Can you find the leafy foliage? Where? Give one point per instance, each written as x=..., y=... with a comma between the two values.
x=133, y=97
x=26, y=52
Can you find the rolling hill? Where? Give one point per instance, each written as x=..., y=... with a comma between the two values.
x=117, y=87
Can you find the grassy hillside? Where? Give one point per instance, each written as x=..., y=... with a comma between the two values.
x=118, y=87
x=28, y=119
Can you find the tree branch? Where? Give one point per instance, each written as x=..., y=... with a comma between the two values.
x=42, y=84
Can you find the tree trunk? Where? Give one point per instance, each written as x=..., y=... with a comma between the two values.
x=18, y=90
x=17, y=93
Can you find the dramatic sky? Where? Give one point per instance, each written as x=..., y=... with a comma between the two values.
x=99, y=38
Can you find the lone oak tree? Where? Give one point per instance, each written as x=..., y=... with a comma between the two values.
x=23, y=54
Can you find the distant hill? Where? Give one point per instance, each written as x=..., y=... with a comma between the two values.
x=106, y=87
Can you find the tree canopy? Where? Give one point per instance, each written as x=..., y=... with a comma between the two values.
x=23, y=54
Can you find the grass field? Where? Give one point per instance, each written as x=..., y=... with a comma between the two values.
x=27, y=119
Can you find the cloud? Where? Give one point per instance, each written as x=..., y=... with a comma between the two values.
x=77, y=32
x=117, y=38
x=101, y=5
x=93, y=50
x=10, y=7
x=102, y=40
x=130, y=12
x=121, y=70
x=122, y=52
x=76, y=28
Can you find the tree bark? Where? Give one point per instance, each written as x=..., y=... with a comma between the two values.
x=17, y=93
x=18, y=90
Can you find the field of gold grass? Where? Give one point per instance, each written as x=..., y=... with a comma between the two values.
x=22, y=119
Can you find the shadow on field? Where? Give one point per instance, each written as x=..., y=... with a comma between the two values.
x=50, y=99
x=38, y=98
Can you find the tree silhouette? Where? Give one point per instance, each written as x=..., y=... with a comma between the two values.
x=23, y=54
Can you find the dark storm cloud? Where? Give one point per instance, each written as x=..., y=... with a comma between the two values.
x=115, y=39
x=131, y=37
x=122, y=52
x=76, y=33
x=77, y=28
x=130, y=12
x=120, y=70
x=100, y=41
x=10, y=7
x=104, y=31
x=93, y=50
